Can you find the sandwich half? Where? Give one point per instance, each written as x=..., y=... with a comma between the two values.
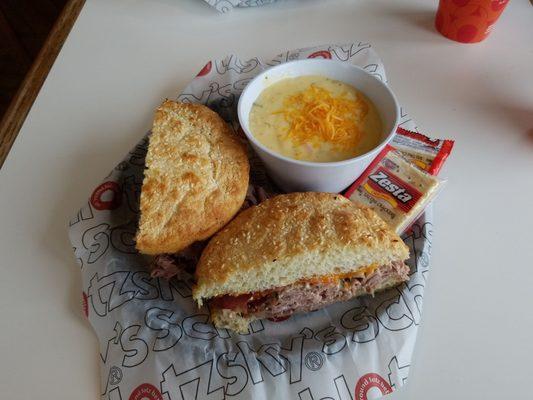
x=195, y=179
x=295, y=253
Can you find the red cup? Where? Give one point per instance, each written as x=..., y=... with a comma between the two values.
x=468, y=21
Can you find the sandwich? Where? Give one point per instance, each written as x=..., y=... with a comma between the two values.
x=195, y=181
x=296, y=253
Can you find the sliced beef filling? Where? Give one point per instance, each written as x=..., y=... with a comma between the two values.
x=306, y=296
x=181, y=265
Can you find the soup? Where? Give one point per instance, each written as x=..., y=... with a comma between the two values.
x=314, y=118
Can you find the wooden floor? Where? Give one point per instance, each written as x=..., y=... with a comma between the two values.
x=24, y=26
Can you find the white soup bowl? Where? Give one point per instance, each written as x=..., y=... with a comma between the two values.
x=295, y=175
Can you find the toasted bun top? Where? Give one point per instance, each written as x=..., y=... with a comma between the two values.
x=195, y=180
x=291, y=237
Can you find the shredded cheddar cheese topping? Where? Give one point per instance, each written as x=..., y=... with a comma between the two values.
x=315, y=116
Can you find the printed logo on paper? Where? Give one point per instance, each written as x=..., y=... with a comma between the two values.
x=205, y=70
x=115, y=375
x=369, y=381
x=321, y=54
x=146, y=391
x=107, y=196
x=313, y=361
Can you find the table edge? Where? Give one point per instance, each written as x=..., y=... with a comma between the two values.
x=23, y=100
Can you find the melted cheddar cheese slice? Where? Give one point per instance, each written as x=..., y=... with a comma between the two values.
x=334, y=278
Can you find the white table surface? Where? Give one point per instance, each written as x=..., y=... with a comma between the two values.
x=123, y=57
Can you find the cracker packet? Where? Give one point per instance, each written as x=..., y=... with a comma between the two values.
x=426, y=153
x=396, y=189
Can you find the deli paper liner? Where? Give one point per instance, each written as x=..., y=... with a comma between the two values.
x=226, y=5
x=156, y=344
